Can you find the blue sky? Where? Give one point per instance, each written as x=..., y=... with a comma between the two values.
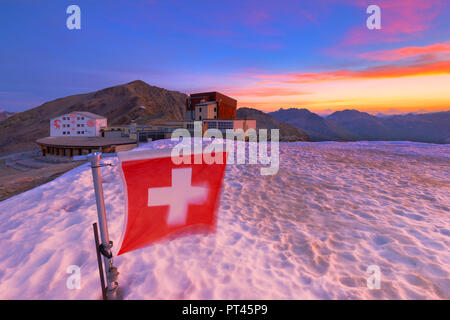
x=248, y=49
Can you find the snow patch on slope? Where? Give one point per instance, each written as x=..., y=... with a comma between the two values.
x=309, y=232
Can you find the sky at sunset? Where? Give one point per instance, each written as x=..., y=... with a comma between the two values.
x=318, y=54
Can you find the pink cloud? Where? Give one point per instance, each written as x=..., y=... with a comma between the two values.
x=266, y=92
x=433, y=50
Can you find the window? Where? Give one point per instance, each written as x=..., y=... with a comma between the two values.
x=226, y=125
x=64, y=132
x=200, y=118
x=212, y=124
x=215, y=109
x=199, y=109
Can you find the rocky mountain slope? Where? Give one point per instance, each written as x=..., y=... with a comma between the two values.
x=5, y=114
x=266, y=121
x=317, y=128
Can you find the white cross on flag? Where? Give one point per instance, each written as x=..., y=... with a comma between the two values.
x=163, y=198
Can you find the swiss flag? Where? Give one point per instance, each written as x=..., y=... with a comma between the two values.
x=164, y=199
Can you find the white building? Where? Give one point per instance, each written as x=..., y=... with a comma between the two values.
x=77, y=123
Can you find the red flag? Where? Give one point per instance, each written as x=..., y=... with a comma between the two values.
x=163, y=198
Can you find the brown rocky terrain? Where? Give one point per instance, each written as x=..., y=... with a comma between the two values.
x=23, y=171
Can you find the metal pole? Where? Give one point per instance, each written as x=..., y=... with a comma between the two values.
x=99, y=261
x=105, y=247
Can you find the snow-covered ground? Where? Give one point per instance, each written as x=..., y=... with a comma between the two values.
x=308, y=232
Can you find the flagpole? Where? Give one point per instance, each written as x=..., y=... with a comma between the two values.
x=106, y=244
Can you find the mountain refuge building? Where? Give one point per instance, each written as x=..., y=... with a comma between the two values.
x=78, y=133
x=78, y=123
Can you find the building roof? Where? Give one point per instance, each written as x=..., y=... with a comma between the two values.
x=206, y=94
x=85, y=113
x=90, y=115
x=205, y=103
x=84, y=141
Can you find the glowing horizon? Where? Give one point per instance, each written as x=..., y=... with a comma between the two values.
x=319, y=55
x=389, y=95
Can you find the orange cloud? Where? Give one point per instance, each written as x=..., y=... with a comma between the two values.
x=408, y=52
x=386, y=71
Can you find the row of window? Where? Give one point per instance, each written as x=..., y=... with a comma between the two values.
x=68, y=118
x=220, y=125
x=226, y=125
x=68, y=125
x=68, y=132
x=215, y=125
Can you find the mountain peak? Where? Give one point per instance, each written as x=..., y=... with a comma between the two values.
x=349, y=114
x=294, y=112
x=138, y=83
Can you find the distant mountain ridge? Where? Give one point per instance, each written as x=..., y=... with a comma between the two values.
x=265, y=121
x=135, y=100
x=6, y=114
x=353, y=125
x=315, y=126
